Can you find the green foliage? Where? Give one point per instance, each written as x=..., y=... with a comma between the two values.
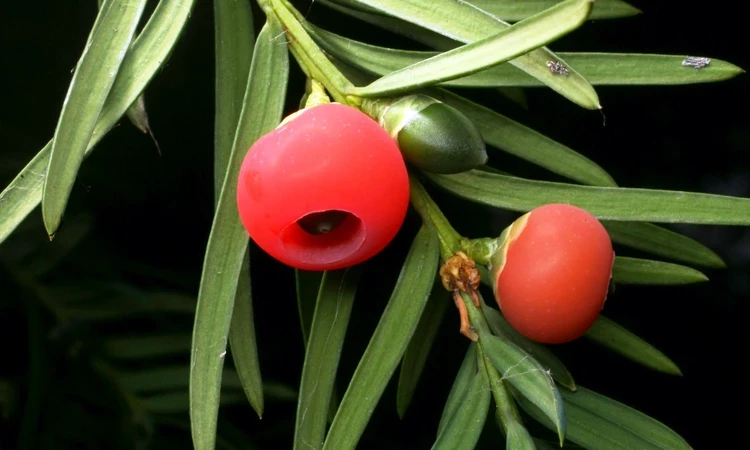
x=329, y=323
x=156, y=376
x=228, y=244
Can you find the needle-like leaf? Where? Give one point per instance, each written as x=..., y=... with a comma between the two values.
x=388, y=343
x=95, y=73
x=501, y=328
x=307, y=286
x=648, y=205
x=234, y=44
x=610, y=335
x=507, y=44
x=600, y=423
x=524, y=373
x=662, y=242
x=462, y=430
x=463, y=22
x=142, y=61
x=517, y=437
x=464, y=377
x=523, y=142
x=326, y=340
x=519, y=369
x=228, y=241
x=644, y=271
x=520, y=9
x=419, y=347
x=233, y=41
x=634, y=69
x=242, y=343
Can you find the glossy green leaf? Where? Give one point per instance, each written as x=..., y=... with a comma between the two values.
x=506, y=413
x=662, y=242
x=598, y=68
x=634, y=69
x=307, y=286
x=465, y=376
x=501, y=328
x=523, y=142
x=518, y=368
x=326, y=341
x=234, y=39
x=515, y=10
x=94, y=75
x=242, y=343
x=366, y=14
x=614, y=337
x=524, y=373
x=420, y=344
x=228, y=241
x=144, y=58
x=507, y=44
x=142, y=347
x=644, y=271
x=518, y=438
x=465, y=425
x=600, y=423
x=519, y=194
x=388, y=342
x=463, y=22
x=137, y=111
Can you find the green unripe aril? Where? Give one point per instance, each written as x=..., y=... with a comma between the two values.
x=432, y=136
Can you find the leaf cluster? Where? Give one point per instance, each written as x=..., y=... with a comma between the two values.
x=473, y=45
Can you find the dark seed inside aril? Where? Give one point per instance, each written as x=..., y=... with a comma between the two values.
x=322, y=222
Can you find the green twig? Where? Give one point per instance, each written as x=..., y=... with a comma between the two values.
x=505, y=403
x=430, y=212
x=309, y=56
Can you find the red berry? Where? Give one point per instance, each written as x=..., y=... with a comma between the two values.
x=556, y=272
x=325, y=190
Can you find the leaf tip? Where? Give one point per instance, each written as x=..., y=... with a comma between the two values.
x=258, y=406
x=672, y=369
x=714, y=261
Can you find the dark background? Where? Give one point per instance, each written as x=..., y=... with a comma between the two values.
x=151, y=215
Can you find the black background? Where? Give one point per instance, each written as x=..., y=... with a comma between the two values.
x=154, y=211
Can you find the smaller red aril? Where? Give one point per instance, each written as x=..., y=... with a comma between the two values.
x=327, y=189
x=552, y=272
